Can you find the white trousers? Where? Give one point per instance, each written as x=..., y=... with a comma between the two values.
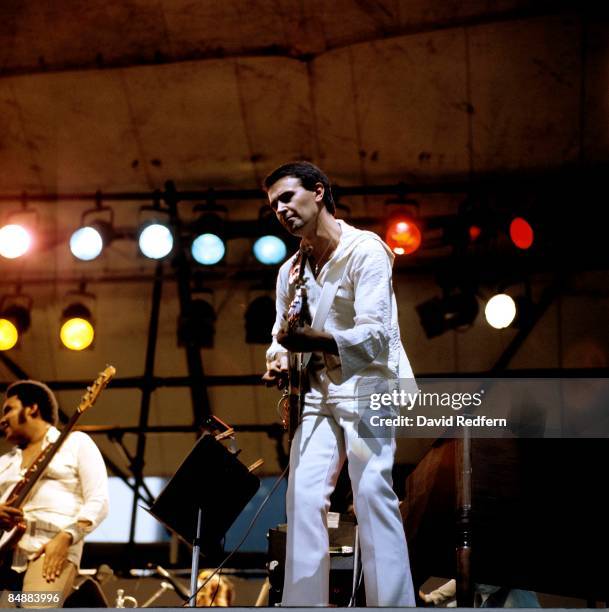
x=326, y=436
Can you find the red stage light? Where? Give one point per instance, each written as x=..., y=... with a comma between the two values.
x=521, y=233
x=403, y=235
x=474, y=232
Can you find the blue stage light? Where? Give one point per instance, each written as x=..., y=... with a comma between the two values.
x=270, y=250
x=86, y=243
x=208, y=249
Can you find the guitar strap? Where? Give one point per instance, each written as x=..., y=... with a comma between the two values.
x=328, y=293
x=333, y=280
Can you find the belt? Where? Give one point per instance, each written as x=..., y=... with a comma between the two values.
x=37, y=527
x=34, y=528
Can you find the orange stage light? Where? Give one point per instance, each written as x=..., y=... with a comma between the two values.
x=403, y=235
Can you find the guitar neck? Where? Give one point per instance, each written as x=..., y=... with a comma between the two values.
x=22, y=489
x=45, y=457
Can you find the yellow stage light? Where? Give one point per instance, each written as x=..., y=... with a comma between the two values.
x=14, y=319
x=77, y=334
x=8, y=335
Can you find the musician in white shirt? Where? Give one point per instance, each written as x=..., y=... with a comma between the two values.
x=68, y=502
x=360, y=342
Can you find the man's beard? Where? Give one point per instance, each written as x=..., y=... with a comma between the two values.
x=293, y=225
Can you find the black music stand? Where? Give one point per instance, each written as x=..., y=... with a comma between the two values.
x=203, y=499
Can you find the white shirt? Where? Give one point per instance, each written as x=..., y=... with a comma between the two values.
x=74, y=488
x=363, y=318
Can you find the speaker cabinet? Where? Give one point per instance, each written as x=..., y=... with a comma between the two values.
x=342, y=546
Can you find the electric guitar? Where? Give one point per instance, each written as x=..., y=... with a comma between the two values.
x=17, y=496
x=292, y=400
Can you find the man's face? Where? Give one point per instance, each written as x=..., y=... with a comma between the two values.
x=296, y=207
x=13, y=419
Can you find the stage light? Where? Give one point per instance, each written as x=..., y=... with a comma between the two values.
x=155, y=240
x=500, y=311
x=208, y=249
x=403, y=235
x=14, y=320
x=96, y=231
x=259, y=320
x=86, y=243
x=197, y=326
x=271, y=246
x=439, y=315
x=473, y=227
x=8, y=335
x=521, y=233
x=77, y=332
x=209, y=246
x=474, y=232
x=270, y=250
x=15, y=241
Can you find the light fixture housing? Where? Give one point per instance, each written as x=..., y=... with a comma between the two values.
x=403, y=233
x=259, y=320
x=208, y=247
x=271, y=247
x=15, y=319
x=473, y=227
x=95, y=233
x=155, y=232
x=453, y=311
x=197, y=326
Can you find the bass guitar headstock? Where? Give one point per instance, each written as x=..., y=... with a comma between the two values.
x=94, y=391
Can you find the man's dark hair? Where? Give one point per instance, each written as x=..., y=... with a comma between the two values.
x=30, y=392
x=309, y=176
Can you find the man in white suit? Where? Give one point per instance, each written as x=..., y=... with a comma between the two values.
x=359, y=342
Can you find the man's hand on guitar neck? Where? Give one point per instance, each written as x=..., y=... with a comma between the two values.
x=307, y=340
x=9, y=516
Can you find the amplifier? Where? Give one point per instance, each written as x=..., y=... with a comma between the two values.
x=341, y=531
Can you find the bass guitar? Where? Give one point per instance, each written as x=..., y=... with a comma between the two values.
x=291, y=403
x=17, y=495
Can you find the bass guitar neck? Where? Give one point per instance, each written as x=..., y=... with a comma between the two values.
x=18, y=495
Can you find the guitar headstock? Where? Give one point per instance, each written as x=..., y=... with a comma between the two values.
x=94, y=391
